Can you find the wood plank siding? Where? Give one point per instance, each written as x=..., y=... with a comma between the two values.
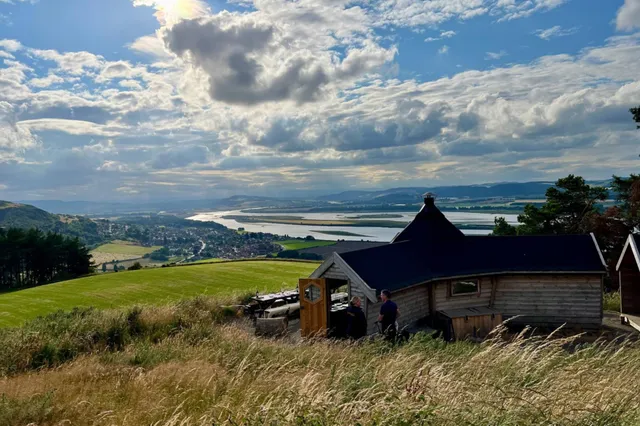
x=550, y=300
x=444, y=301
x=335, y=273
x=629, y=285
x=413, y=304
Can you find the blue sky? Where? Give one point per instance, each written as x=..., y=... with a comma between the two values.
x=159, y=99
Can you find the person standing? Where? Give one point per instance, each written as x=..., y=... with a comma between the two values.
x=389, y=313
x=356, y=320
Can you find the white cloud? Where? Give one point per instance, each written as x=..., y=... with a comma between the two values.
x=76, y=63
x=130, y=84
x=13, y=138
x=72, y=127
x=443, y=35
x=198, y=122
x=150, y=45
x=553, y=32
x=443, y=50
x=628, y=17
x=10, y=45
x=250, y=60
x=516, y=9
x=47, y=81
x=495, y=55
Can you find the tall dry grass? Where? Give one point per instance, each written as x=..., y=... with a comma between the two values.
x=210, y=372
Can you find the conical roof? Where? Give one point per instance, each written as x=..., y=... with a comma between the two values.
x=429, y=226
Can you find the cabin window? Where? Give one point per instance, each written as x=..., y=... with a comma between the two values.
x=465, y=287
x=312, y=293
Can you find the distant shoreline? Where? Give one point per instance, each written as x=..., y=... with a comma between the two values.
x=367, y=223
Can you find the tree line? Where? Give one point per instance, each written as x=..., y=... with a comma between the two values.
x=32, y=257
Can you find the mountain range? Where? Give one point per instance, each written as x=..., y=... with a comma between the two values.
x=409, y=195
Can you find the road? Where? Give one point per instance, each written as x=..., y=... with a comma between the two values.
x=204, y=246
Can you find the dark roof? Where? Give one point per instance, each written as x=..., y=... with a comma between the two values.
x=636, y=238
x=429, y=225
x=403, y=264
x=341, y=247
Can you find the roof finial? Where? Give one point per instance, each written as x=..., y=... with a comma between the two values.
x=429, y=198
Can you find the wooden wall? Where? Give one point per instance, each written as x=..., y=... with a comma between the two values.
x=538, y=299
x=629, y=285
x=444, y=300
x=413, y=304
x=550, y=300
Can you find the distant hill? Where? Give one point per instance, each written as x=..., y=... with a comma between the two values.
x=414, y=194
x=14, y=215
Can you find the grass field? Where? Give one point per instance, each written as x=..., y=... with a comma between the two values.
x=303, y=244
x=151, y=286
x=188, y=364
x=120, y=250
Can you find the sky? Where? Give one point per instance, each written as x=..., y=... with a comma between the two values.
x=189, y=99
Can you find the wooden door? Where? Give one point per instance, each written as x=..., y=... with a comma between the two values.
x=313, y=307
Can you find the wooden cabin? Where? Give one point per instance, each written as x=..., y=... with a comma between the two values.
x=628, y=268
x=433, y=269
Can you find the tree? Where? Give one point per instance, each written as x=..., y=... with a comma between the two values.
x=135, y=267
x=115, y=267
x=31, y=258
x=636, y=115
x=628, y=197
x=569, y=207
x=104, y=267
x=503, y=228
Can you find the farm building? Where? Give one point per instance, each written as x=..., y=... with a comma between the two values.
x=628, y=268
x=434, y=271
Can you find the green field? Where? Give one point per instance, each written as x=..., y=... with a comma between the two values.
x=151, y=286
x=304, y=244
x=128, y=249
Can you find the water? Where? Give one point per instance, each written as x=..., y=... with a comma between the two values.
x=370, y=233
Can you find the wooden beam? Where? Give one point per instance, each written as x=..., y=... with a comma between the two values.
x=494, y=285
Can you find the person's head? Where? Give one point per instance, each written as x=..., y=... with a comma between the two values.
x=385, y=295
x=355, y=301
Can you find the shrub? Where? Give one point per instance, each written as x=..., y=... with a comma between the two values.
x=135, y=267
x=611, y=301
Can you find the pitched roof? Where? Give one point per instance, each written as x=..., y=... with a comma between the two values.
x=400, y=265
x=633, y=244
x=429, y=225
x=428, y=249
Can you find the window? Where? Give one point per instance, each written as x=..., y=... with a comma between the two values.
x=312, y=293
x=465, y=287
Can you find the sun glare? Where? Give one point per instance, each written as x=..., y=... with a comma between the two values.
x=171, y=11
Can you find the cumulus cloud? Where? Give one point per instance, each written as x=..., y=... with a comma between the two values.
x=13, y=138
x=75, y=63
x=47, y=81
x=553, y=32
x=443, y=50
x=628, y=17
x=249, y=61
x=10, y=45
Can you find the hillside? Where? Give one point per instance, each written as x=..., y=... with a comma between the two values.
x=14, y=215
x=151, y=286
x=193, y=364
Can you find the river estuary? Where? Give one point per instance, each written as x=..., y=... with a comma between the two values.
x=369, y=233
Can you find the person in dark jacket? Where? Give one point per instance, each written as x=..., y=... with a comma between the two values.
x=356, y=321
x=389, y=313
